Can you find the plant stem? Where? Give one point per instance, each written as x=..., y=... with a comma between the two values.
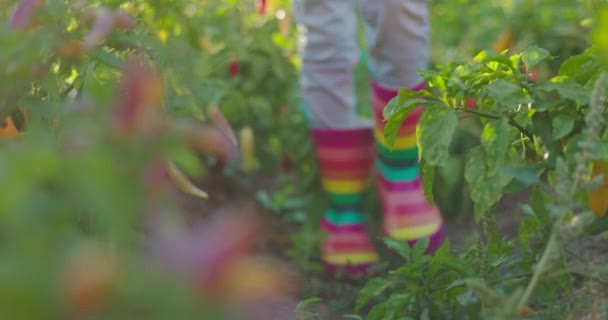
x=552, y=245
x=515, y=276
x=479, y=113
x=67, y=90
x=495, y=116
x=590, y=277
x=489, y=229
x=576, y=255
x=581, y=274
x=521, y=128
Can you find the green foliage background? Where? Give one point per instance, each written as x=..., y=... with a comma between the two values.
x=54, y=193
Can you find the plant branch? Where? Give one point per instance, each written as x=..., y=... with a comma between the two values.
x=580, y=274
x=521, y=128
x=511, y=277
x=590, y=277
x=67, y=90
x=540, y=268
x=479, y=113
x=495, y=116
x=567, y=191
x=576, y=255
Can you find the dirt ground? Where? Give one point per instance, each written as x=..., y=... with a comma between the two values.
x=226, y=195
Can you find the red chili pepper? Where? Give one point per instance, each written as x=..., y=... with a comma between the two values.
x=471, y=102
x=8, y=128
x=140, y=99
x=532, y=75
x=234, y=68
x=286, y=164
x=261, y=7
x=23, y=16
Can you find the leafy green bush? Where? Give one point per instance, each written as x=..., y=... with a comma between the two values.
x=110, y=99
x=543, y=138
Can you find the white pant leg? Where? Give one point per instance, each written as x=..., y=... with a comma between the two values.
x=397, y=36
x=329, y=52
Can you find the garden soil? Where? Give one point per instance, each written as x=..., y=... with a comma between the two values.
x=225, y=195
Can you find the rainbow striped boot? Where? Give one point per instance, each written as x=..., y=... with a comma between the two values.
x=407, y=215
x=346, y=160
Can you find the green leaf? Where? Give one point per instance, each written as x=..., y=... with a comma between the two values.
x=443, y=261
x=391, y=108
x=455, y=284
x=600, y=152
x=481, y=56
x=486, y=189
x=527, y=231
x=434, y=79
x=475, y=170
x=396, y=115
x=465, y=297
x=425, y=315
x=377, y=312
x=106, y=58
x=500, y=60
x=300, y=308
x=526, y=175
x=405, y=271
x=443, y=252
x=352, y=316
x=567, y=89
x=482, y=290
x=524, y=118
x=599, y=33
x=496, y=139
x=538, y=203
x=597, y=225
x=372, y=288
x=187, y=161
x=580, y=68
x=506, y=94
x=404, y=99
x=308, y=301
x=398, y=109
x=428, y=176
x=562, y=123
x=534, y=55
x=435, y=132
x=545, y=105
x=402, y=248
x=395, y=305
x=419, y=249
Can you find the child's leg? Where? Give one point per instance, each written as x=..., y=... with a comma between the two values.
x=328, y=49
x=397, y=38
x=344, y=147
x=346, y=159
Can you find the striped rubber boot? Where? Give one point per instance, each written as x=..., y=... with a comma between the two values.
x=345, y=159
x=407, y=215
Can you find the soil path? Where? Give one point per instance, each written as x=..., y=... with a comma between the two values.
x=226, y=195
